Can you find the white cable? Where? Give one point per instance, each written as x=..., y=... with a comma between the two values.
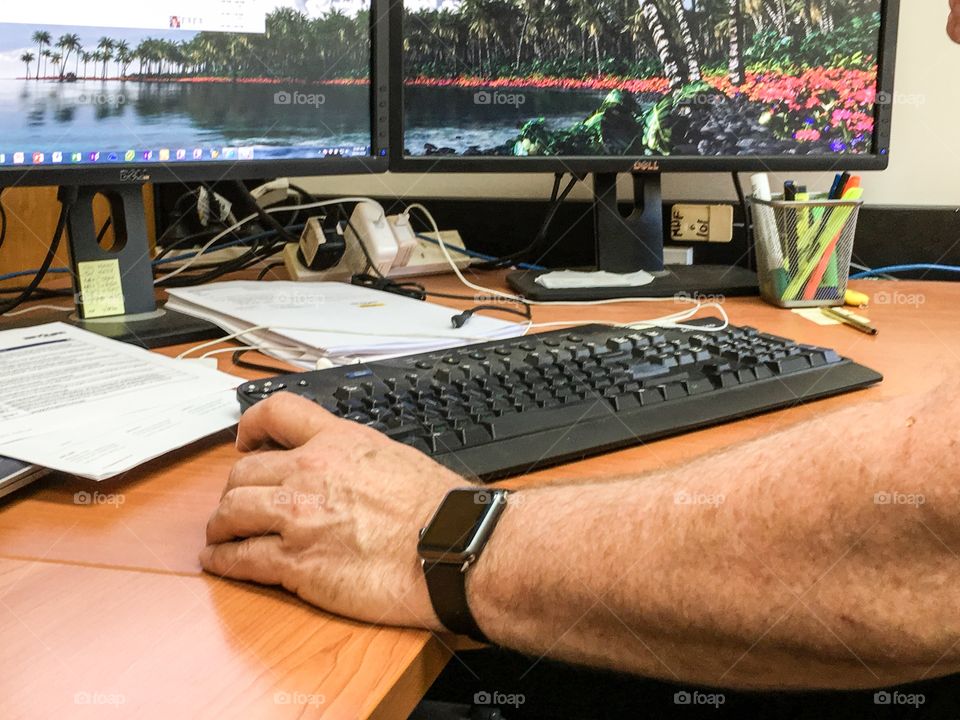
x=516, y=298
x=315, y=329
x=58, y=308
x=240, y=223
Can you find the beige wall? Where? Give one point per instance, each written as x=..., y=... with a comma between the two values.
x=925, y=145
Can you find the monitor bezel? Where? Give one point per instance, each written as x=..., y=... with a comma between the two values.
x=209, y=171
x=877, y=160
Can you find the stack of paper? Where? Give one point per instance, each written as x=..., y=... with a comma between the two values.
x=89, y=406
x=305, y=323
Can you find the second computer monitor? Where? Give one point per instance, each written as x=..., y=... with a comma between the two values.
x=125, y=92
x=599, y=85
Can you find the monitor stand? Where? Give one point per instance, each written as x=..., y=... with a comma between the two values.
x=113, y=287
x=632, y=243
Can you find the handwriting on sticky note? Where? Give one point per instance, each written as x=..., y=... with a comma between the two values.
x=101, y=289
x=701, y=223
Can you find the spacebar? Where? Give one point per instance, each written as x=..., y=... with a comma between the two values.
x=531, y=421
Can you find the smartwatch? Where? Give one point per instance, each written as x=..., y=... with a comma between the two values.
x=449, y=545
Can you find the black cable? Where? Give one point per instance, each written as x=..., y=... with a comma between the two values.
x=103, y=231
x=38, y=293
x=407, y=289
x=240, y=362
x=747, y=219
x=460, y=320
x=263, y=214
x=268, y=268
x=254, y=255
x=68, y=196
x=557, y=198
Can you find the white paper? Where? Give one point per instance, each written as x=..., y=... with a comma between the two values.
x=120, y=443
x=94, y=407
x=573, y=280
x=335, y=319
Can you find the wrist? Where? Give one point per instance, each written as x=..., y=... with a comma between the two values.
x=488, y=594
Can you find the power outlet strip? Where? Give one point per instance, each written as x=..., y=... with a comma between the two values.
x=428, y=259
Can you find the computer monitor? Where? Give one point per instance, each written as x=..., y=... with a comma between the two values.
x=642, y=87
x=102, y=98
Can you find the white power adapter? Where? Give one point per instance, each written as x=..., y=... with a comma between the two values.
x=272, y=193
x=406, y=239
x=368, y=225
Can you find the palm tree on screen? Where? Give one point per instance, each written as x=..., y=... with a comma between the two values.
x=26, y=59
x=69, y=44
x=42, y=38
x=105, y=45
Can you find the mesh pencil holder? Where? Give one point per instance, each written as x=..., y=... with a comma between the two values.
x=804, y=250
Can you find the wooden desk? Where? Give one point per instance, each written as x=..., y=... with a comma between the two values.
x=107, y=602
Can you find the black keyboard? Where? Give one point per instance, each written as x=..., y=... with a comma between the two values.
x=510, y=407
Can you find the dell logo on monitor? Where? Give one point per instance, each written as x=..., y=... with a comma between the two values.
x=646, y=166
x=135, y=175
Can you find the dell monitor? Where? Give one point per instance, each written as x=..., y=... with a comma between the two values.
x=644, y=87
x=102, y=98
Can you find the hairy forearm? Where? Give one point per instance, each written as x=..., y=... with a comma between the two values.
x=776, y=563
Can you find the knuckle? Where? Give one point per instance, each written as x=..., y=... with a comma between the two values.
x=228, y=503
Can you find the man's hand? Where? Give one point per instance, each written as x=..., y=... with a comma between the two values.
x=953, y=22
x=332, y=516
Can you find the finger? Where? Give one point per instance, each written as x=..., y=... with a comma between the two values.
x=953, y=30
x=247, y=512
x=262, y=469
x=260, y=560
x=285, y=419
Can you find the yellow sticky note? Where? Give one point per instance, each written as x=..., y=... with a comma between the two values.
x=101, y=291
x=701, y=223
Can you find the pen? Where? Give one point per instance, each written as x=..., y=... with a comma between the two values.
x=857, y=322
x=836, y=186
x=839, y=185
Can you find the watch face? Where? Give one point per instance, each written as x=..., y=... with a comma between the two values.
x=457, y=522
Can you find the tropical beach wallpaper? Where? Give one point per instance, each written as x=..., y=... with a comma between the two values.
x=94, y=94
x=641, y=77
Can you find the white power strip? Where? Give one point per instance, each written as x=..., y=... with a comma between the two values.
x=427, y=258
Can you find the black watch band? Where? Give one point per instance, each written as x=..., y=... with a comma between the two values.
x=447, y=584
